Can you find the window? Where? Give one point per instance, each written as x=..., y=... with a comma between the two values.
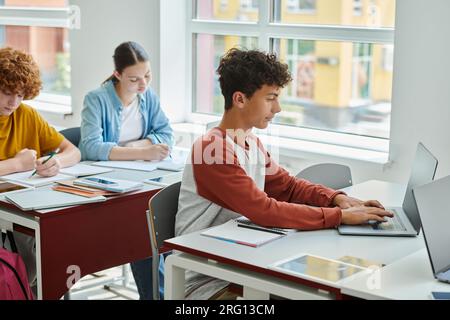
x=41, y=29
x=378, y=13
x=223, y=5
x=357, y=7
x=388, y=58
x=209, y=49
x=249, y=5
x=361, y=71
x=304, y=6
x=229, y=10
x=341, y=63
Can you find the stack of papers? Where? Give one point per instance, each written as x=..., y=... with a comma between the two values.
x=176, y=161
x=69, y=187
x=232, y=232
x=34, y=181
x=45, y=199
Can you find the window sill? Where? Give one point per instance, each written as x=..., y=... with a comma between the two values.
x=297, y=148
x=52, y=104
x=56, y=109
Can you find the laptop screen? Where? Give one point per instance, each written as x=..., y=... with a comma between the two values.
x=422, y=172
x=432, y=201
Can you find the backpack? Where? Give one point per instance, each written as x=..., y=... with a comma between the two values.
x=13, y=274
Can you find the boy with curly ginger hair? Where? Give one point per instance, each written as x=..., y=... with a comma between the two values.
x=232, y=175
x=25, y=136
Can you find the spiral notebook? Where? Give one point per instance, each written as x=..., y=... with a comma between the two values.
x=237, y=233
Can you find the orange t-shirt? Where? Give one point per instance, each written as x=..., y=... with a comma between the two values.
x=25, y=128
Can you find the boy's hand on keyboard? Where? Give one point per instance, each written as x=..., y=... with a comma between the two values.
x=345, y=202
x=362, y=215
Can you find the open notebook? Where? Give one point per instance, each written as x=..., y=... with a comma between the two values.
x=34, y=181
x=46, y=199
x=233, y=232
x=130, y=165
x=148, y=166
x=175, y=162
x=83, y=170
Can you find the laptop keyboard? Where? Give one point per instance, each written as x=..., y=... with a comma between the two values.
x=394, y=224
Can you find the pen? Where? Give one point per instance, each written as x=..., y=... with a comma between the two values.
x=260, y=229
x=160, y=142
x=51, y=154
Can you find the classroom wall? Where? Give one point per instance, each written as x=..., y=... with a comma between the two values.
x=421, y=95
x=104, y=25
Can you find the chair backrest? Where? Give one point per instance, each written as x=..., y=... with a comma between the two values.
x=72, y=134
x=163, y=208
x=332, y=175
x=212, y=124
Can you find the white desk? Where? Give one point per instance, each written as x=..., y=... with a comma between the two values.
x=410, y=278
x=240, y=264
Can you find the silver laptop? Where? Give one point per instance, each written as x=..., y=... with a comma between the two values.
x=434, y=208
x=406, y=221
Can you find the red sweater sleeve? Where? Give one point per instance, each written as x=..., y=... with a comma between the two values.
x=284, y=187
x=226, y=183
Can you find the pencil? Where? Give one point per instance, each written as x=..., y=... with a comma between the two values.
x=261, y=229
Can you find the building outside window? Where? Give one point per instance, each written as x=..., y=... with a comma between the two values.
x=40, y=28
x=49, y=46
x=249, y=5
x=357, y=7
x=301, y=6
x=341, y=63
x=223, y=5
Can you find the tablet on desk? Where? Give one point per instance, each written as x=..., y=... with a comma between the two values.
x=10, y=187
x=314, y=267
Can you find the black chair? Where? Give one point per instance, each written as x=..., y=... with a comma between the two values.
x=72, y=134
x=163, y=208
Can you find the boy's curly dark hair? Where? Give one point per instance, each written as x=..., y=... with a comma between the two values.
x=248, y=71
x=19, y=73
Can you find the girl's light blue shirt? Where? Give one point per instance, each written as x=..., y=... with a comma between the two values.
x=101, y=122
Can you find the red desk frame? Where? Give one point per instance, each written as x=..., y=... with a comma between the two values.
x=93, y=237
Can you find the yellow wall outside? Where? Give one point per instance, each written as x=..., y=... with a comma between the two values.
x=333, y=84
x=232, y=11
x=230, y=42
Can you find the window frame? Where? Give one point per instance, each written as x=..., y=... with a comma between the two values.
x=266, y=29
x=68, y=18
